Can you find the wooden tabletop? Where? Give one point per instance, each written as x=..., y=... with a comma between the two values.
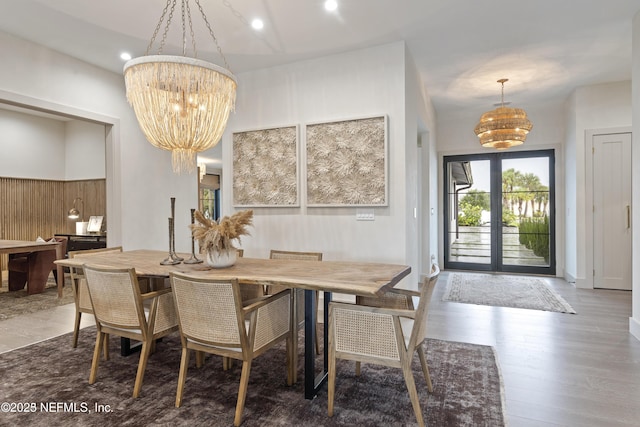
x=357, y=278
x=17, y=246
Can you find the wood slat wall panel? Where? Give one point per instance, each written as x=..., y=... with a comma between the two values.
x=30, y=207
x=94, y=202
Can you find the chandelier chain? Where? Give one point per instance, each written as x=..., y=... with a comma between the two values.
x=193, y=37
x=155, y=32
x=502, y=82
x=166, y=29
x=213, y=36
x=235, y=12
x=184, y=30
x=185, y=7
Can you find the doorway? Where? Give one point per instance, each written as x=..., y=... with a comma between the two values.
x=209, y=196
x=611, y=189
x=111, y=146
x=499, y=212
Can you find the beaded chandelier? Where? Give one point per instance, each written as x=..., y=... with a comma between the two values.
x=182, y=103
x=503, y=127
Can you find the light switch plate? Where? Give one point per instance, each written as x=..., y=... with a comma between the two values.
x=365, y=215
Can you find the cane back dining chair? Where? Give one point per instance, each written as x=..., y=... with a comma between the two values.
x=212, y=319
x=384, y=336
x=80, y=290
x=392, y=298
x=249, y=292
x=297, y=319
x=119, y=309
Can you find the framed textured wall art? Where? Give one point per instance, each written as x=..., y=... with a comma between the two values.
x=265, y=167
x=347, y=163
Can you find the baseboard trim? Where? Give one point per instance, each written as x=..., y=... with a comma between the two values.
x=569, y=278
x=583, y=284
x=634, y=327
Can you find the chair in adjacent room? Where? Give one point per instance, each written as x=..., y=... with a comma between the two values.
x=119, y=309
x=298, y=301
x=80, y=290
x=213, y=320
x=384, y=336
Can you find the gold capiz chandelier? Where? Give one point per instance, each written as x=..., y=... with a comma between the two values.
x=182, y=103
x=503, y=127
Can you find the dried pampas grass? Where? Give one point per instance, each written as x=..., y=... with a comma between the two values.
x=220, y=235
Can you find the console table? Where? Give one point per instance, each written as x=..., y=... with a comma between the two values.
x=82, y=242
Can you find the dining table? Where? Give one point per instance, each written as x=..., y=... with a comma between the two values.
x=345, y=277
x=24, y=246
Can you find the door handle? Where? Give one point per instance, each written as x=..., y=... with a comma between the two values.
x=628, y=217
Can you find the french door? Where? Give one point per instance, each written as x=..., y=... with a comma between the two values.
x=499, y=212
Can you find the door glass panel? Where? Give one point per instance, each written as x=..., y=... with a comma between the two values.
x=499, y=212
x=469, y=212
x=209, y=196
x=525, y=211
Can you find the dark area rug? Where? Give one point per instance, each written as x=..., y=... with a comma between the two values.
x=48, y=383
x=19, y=302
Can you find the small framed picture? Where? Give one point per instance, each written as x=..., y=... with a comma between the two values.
x=95, y=224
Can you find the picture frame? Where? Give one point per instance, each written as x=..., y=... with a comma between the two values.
x=95, y=224
x=347, y=162
x=265, y=167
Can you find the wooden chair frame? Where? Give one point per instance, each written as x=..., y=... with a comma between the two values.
x=233, y=331
x=297, y=302
x=119, y=309
x=81, y=291
x=386, y=336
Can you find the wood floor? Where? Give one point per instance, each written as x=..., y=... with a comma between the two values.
x=558, y=369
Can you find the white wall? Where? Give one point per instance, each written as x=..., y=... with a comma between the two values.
x=46, y=148
x=139, y=182
x=31, y=147
x=570, y=213
x=139, y=177
x=590, y=107
x=434, y=200
x=84, y=150
x=634, y=321
x=421, y=179
x=357, y=84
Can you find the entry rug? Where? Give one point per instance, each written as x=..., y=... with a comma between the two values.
x=504, y=291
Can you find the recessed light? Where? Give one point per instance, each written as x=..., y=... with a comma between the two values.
x=257, y=24
x=331, y=5
x=125, y=56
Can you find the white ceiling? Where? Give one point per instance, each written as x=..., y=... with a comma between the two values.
x=546, y=48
